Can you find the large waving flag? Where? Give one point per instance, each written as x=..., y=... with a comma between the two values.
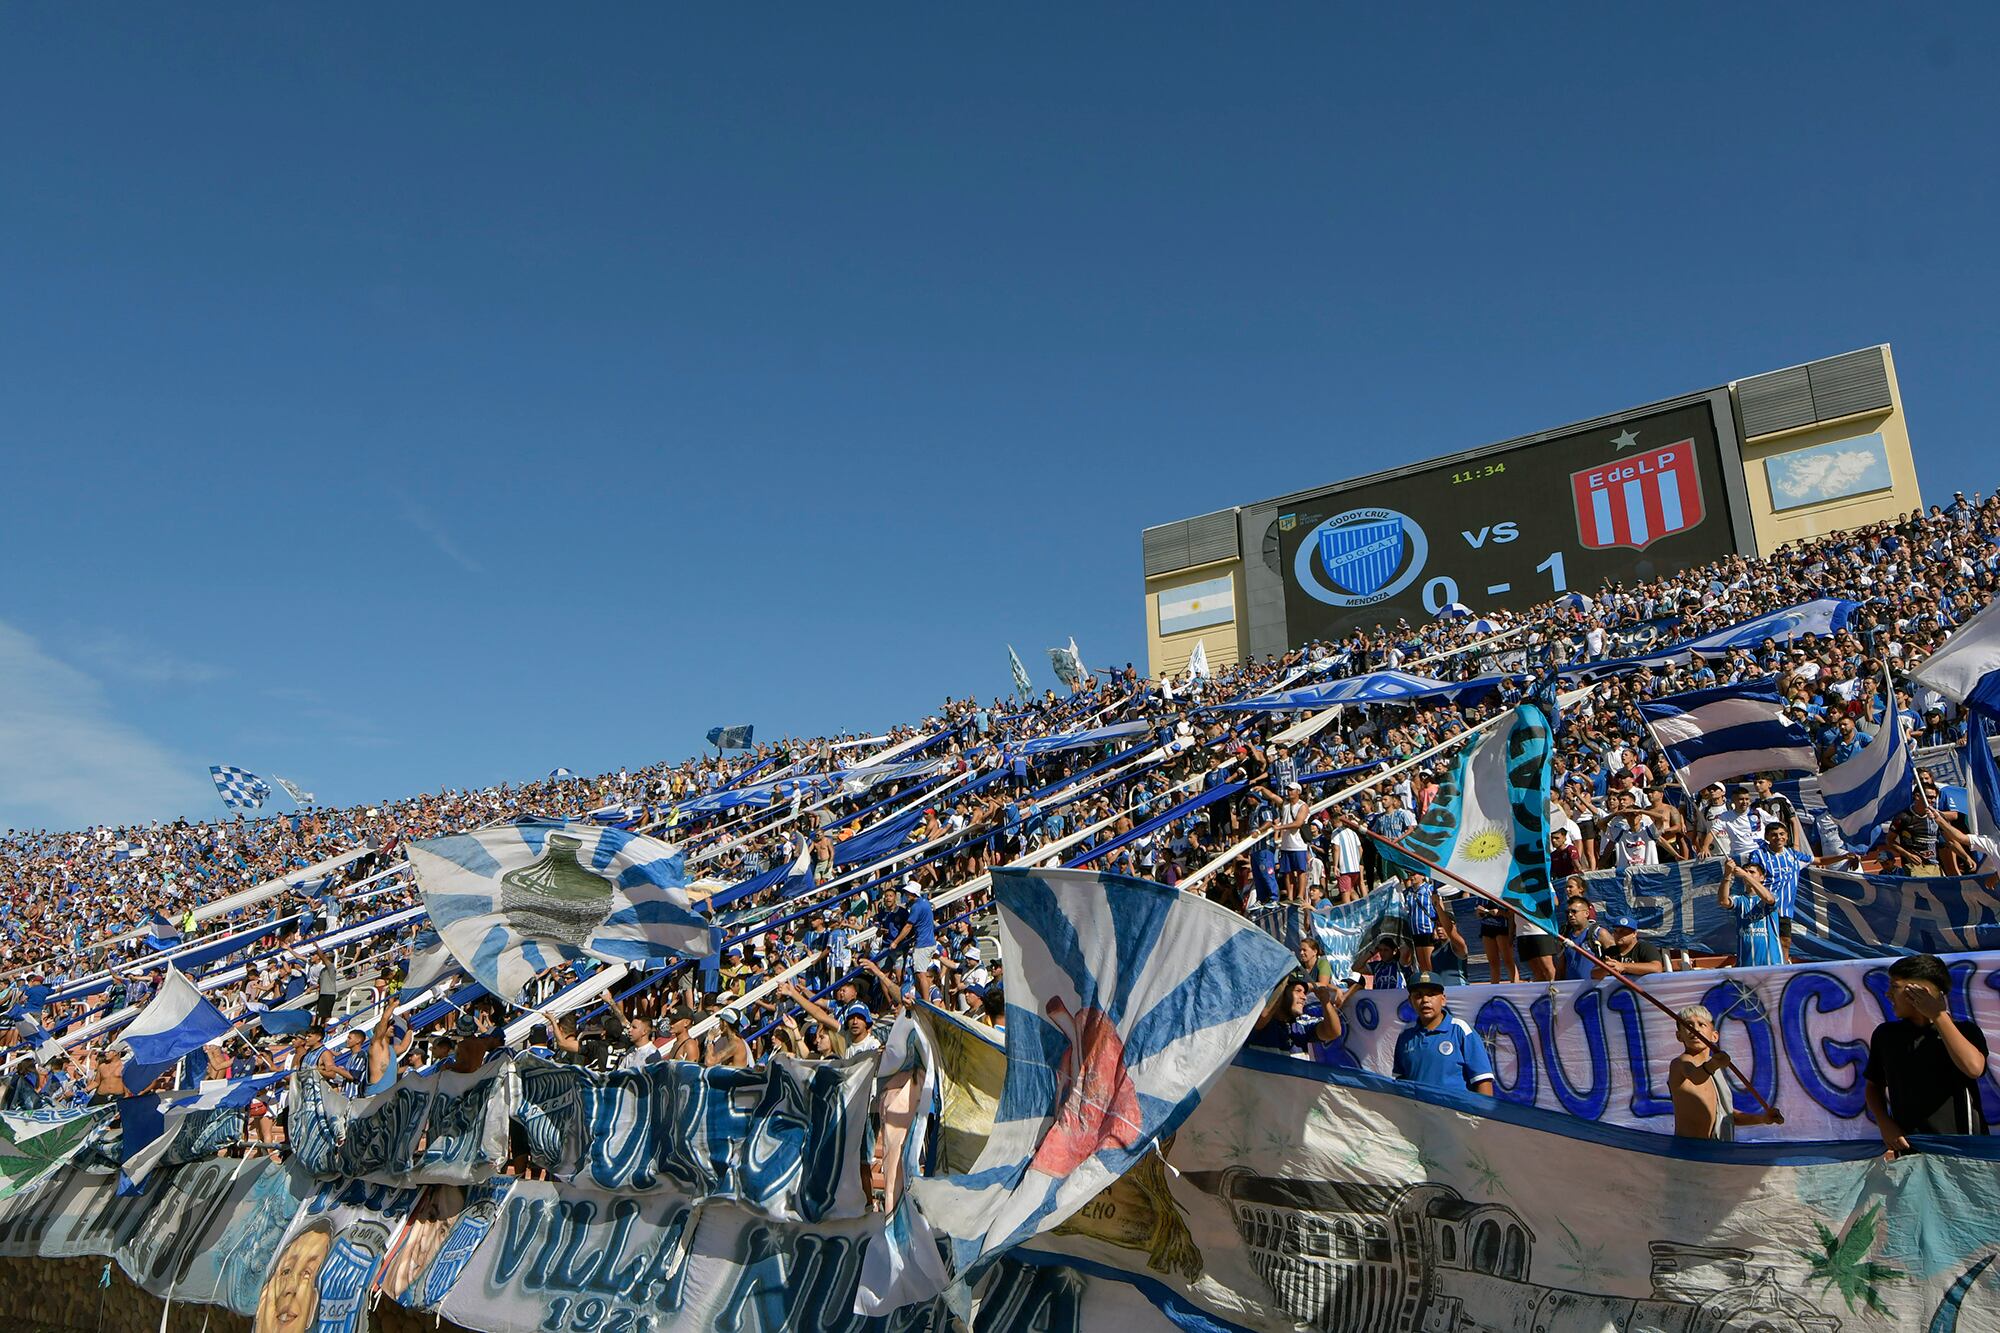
x=239, y=788
x=1198, y=660
x=1713, y=735
x=1125, y=1001
x=1877, y=784
x=197, y=1126
x=732, y=738
x=1982, y=776
x=511, y=902
x=1068, y=666
x=1489, y=822
x=175, y=1023
x=1024, y=689
x=1967, y=669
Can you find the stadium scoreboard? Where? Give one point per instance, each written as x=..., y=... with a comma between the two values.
x=1740, y=468
x=1508, y=527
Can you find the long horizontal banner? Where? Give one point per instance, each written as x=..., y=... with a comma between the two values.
x=512, y=1256
x=1343, y=1203
x=1599, y=1052
x=784, y=1138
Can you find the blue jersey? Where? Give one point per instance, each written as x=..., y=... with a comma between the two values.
x=1450, y=1055
x=923, y=924
x=1422, y=907
x=1757, y=943
x=1385, y=974
x=1781, y=875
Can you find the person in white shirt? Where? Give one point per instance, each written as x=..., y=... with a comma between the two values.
x=1737, y=831
x=1292, y=859
x=1631, y=837
x=1346, y=864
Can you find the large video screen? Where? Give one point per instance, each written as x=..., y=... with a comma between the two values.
x=1629, y=501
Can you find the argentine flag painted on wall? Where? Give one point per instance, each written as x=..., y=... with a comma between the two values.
x=1125, y=1001
x=510, y=902
x=1489, y=822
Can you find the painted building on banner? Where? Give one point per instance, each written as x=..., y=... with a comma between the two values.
x=1743, y=467
x=1343, y=1256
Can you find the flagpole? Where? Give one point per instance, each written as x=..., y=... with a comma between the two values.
x=1609, y=970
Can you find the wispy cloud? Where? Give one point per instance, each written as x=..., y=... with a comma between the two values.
x=426, y=523
x=116, y=653
x=66, y=761
x=330, y=723
x=1831, y=473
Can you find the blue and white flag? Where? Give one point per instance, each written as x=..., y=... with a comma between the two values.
x=239, y=788
x=1982, y=776
x=559, y=774
x=429, y=960
x=514, y=901
x=1198, y=661
x=799, y=875
x=189, y=1128
x=1967, y=669
x=1488, y=824
x=175, y=1023
x=732, y=738
x=1024, y=689
x=1125, y=1001
x=161, y=933
x=1713, y=735
x=1874, y=786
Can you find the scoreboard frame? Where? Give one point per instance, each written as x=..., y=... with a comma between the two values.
x=1645, y=492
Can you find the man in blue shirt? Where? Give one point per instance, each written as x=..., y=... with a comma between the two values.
x=1441, y=1050
x=919, y=930
x=1777, y=865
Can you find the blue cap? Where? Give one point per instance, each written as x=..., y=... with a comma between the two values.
x=1620, y=921
x=859, y=1011
x=1423, y=979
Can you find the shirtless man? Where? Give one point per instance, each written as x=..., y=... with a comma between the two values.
x=107, y=1081
x=1702, y=1108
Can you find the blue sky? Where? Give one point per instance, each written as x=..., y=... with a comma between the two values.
x=395, y=398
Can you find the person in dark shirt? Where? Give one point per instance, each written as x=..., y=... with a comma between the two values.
x=1924, y=1066
x=1286, y=1025
x=1624, y=952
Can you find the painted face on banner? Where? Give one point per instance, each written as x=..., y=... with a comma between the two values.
x=1096, y=1105
x=291, y=1297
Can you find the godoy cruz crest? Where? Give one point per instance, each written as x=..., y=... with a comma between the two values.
x=556, y=895
x=1367, y=555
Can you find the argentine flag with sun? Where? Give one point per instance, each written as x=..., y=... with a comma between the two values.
x=1489, y=823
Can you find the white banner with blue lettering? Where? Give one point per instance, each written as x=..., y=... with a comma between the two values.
x=1598, y=1051
x=560, y=1258
x=784, y=1139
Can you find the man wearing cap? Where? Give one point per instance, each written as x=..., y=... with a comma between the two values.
x=1441, y=1050
x=919, y=929
x=1627, y=954
x=1292, y=857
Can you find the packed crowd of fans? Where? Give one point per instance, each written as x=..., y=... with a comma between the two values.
x=84, y=913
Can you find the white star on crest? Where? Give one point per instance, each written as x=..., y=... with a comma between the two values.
x=1627, y=439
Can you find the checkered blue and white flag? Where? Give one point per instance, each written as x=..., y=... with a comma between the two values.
x=239, y=788
x=512, y=902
